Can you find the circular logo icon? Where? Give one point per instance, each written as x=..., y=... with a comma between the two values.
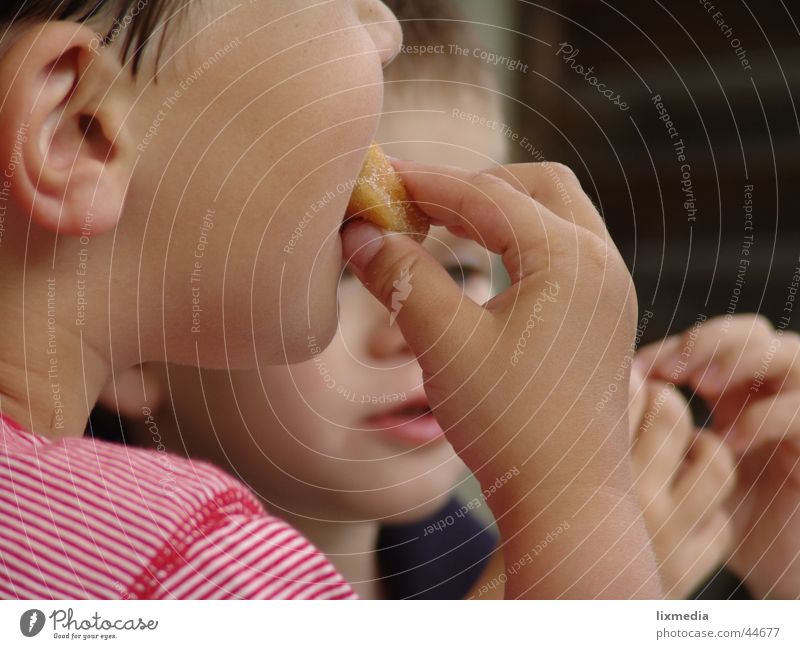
x=31, y=622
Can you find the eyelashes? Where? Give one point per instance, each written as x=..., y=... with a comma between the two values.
x=461, y=273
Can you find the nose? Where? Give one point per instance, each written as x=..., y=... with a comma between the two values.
x=385, y=340
x=382, y=27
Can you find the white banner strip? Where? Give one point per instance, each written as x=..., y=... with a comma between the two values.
x=379, y=625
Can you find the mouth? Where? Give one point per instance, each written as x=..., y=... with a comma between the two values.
x=409, y=422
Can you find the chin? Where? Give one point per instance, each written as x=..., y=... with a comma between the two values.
x=418, y=507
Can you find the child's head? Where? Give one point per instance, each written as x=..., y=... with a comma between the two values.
x=206, y=148
x=344, y=436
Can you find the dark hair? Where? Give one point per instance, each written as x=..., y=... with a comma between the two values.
x=429, y=22
x=140, y=18
x=437, y=23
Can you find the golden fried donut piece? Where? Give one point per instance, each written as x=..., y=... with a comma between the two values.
x=381, y=197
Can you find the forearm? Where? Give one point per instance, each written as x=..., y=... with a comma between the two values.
x=571, y=526
x=577, y=545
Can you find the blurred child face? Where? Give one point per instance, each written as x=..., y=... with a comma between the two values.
x=347, y=436
x=249, y=142
x=350, y=433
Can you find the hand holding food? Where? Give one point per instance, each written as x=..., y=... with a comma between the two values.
x=513, y=382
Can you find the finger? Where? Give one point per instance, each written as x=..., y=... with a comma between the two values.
x=649, y=360
x=527, y=235
x=412, y=285
x=663, y=437
x=763, y=357
x=706, y=479
x=723, y=354
x=637, y=401
x=705, y=549
x=557, y=188
x=766, y=420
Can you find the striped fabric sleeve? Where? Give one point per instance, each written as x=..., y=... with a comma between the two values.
x=250, y=557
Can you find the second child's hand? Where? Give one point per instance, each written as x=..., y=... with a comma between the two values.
x=515, y=382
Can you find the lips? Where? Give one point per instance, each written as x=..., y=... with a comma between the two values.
x=410, y=422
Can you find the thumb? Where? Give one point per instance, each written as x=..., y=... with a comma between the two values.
x=419, y=293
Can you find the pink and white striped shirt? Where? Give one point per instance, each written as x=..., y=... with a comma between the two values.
x=82, y=518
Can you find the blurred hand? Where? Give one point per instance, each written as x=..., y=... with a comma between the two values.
x=682, y=478
x=749, y=374
x=514, y=382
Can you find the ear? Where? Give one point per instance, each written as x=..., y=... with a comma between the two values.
x=63, y=135
x=132, y=390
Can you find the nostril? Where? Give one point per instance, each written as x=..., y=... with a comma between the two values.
x=383, y=28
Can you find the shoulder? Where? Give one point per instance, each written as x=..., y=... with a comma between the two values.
x=246, y=557
x=85, y=518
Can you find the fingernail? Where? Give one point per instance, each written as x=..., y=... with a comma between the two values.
x=361, y=241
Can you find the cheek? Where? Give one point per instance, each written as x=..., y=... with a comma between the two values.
x=306, y=397
x=358, y=314
x=271, y=137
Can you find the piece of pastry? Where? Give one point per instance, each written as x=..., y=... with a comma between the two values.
x=381, y=197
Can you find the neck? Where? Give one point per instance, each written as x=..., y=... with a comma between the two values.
x=350, y=547
x=50, y=372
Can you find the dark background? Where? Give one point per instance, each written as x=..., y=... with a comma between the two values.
x=739, y=127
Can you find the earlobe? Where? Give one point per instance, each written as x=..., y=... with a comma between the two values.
x=135, y=390
x=62, y=127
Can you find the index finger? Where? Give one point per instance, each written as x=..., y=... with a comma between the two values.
x=556, y=187
x=492, y=212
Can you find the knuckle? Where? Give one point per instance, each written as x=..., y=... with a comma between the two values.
x=564, y=173
x=483, y=180
x=556, y=178
x=761, y=325
x=383, y=282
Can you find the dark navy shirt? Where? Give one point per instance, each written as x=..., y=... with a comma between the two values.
x=438, y=558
